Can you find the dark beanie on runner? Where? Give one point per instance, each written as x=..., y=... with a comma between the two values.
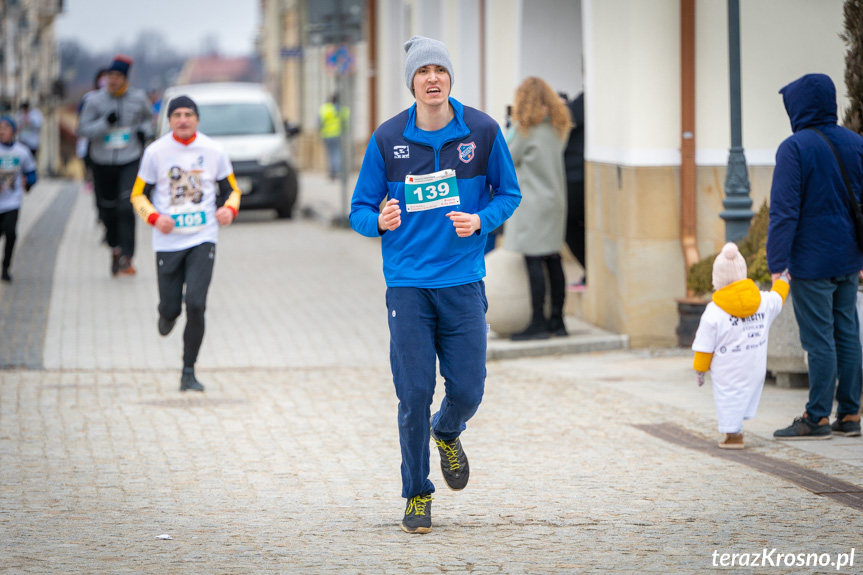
x=120, y=64
x=8, y=119
x=182, y=102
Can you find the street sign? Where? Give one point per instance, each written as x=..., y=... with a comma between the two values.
x=339, y=59
x=288, y=52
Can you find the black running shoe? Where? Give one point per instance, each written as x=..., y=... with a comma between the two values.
x=188, y=381
x=116, y=253
x=847, y=425
x=804, y=428
x=453, y=462
x=418, y=514
x=166, y=326
x=6, y=277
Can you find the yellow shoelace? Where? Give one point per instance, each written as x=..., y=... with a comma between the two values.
x=417, y=504
x=450, y=452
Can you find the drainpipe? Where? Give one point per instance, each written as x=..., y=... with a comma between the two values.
x=372, y=19
x=482, y=63
x=688, y=217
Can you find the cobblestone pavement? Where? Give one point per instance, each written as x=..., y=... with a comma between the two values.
x=289, y=463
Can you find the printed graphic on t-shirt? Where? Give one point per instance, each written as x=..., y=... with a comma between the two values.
x=754, y=327
x=186, y=196
x=185, y=186
x=9, y=171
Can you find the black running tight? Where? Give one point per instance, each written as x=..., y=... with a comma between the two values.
x=8, y=227
x=192, y=267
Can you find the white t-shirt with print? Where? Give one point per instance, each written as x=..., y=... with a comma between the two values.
x=739, y=348
x=15, y=161
x=185, y=179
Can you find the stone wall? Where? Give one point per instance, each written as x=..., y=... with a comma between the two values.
x=634, y=258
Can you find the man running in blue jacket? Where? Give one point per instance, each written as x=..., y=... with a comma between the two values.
x=448, y=178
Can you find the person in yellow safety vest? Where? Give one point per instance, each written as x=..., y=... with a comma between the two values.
x=332, y=118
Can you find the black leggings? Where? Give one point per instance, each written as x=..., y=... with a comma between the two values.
x=8, y=227
x=192, y=267
x=557, y=284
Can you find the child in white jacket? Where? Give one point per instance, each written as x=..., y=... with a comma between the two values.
x=731, y=342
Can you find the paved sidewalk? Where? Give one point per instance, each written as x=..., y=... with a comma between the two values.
x=289, y=463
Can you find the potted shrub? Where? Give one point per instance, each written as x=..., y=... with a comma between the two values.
x=699, y=279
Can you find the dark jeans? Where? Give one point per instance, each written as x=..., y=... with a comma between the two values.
x=113, y=188
x=194, y=268
x=425, y=324
x=8, y=228
x=826, y=312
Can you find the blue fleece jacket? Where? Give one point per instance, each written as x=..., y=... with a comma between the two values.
x=424, y=251
x=811, y=233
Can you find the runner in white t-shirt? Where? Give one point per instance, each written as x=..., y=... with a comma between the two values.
x=17, y=174
x=731, y=342
x=185, y=189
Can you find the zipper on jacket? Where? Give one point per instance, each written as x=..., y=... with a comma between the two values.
x=119, y=124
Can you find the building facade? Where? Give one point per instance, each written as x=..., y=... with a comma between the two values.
x=626, y=55
x=30, y=68
x=633, y=53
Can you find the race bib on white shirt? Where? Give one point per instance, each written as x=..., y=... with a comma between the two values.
x=188, y=220
x=431, y=191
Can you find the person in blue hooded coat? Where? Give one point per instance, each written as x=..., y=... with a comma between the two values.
x=811, y=236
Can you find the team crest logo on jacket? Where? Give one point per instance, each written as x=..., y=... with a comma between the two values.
x=465, y=152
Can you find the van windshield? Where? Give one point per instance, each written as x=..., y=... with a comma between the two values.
x=235, y=119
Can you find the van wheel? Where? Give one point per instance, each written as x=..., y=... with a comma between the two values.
x=285, y=213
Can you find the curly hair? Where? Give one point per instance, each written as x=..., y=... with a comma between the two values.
x=534, y=102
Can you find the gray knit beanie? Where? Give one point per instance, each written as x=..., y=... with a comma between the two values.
x=422, y=51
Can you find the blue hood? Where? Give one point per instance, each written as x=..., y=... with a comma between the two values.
x=810, y=101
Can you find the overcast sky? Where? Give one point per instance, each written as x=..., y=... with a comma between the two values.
x=103, y=24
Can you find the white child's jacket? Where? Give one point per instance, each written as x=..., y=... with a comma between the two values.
x=731, y=342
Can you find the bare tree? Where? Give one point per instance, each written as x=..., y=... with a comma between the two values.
x=853, y=38
x=156, y=63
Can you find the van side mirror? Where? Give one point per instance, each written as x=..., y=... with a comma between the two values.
x=291, y=130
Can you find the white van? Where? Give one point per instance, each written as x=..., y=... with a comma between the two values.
x=245, y=119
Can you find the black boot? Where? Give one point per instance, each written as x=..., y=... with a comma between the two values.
x=6, y=277
x=556, y=325
x=538, y=327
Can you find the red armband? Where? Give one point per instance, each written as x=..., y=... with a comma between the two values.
x=151, y=219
